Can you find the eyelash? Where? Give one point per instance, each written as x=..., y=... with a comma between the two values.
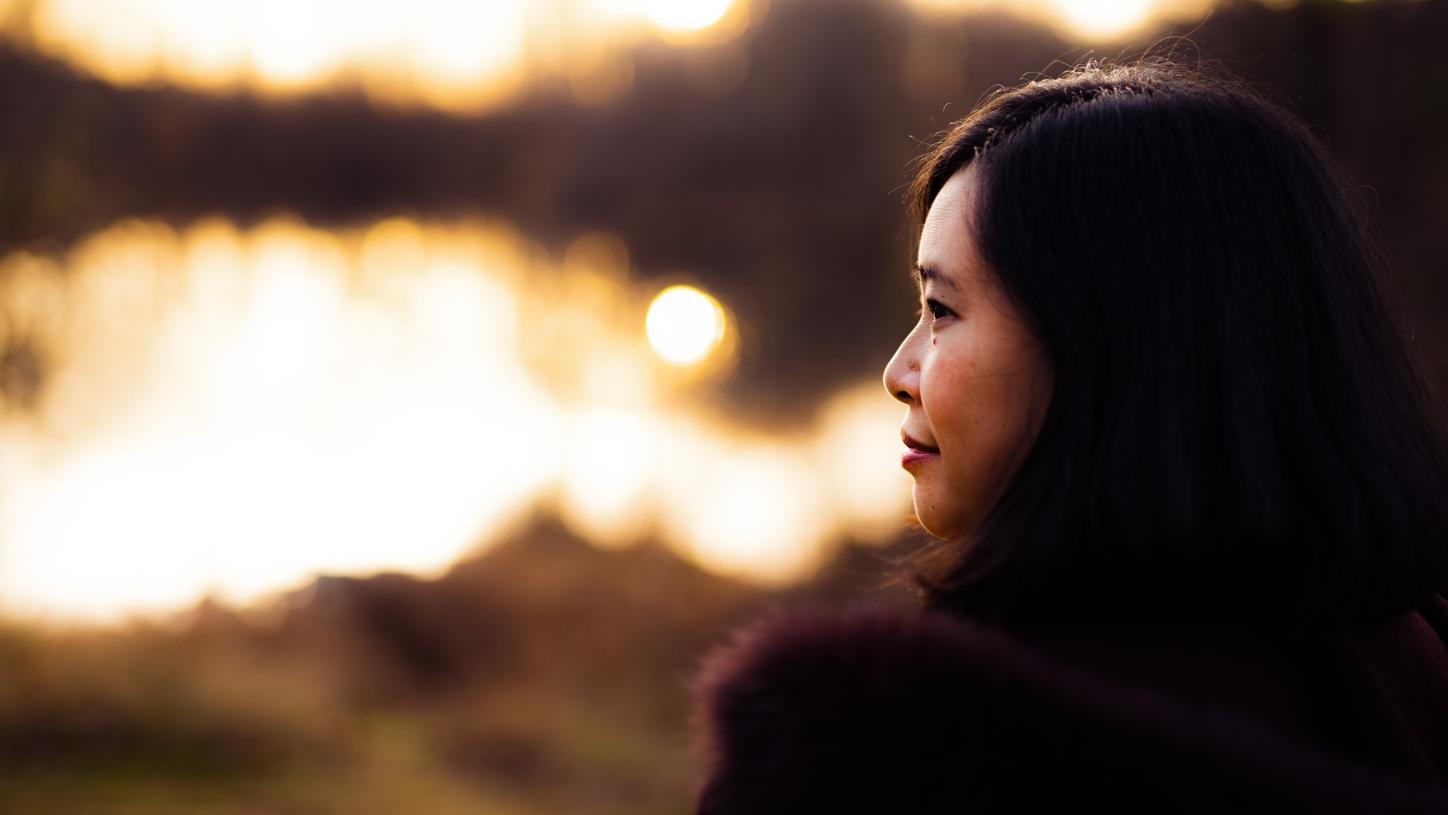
x=936, y=310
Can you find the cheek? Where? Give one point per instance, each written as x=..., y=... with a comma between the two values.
x=946, y=393
x=980, y=417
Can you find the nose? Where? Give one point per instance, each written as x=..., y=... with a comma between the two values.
x=902, y=374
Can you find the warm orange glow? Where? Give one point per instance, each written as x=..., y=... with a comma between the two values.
x=684, y=15
x=606, y=478
x=684, y=325
x=234, y=411
x=746, y=507
x=448, y=53
x=682, y=19
x=1088, y=20
x=848, y=449
x=454, y=54
x=1102, y=18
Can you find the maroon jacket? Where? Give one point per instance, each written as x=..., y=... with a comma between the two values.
x=867, y=709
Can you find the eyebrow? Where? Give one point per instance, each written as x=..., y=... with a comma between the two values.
x=923, y=274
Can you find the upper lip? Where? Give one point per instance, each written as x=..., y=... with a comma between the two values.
x=916, y=445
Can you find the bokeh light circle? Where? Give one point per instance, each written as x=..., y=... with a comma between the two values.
x=684, y=325
x=685, y=15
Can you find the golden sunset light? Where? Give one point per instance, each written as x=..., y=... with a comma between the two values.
x=1089, y=20
x=451, y=54
x=684, y=324
x=683, y=15
x=239, y=410
x=1103, y=19
x=458, y=406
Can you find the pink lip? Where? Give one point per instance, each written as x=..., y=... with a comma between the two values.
x=913, y=457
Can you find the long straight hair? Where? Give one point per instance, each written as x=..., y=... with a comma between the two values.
x=1237, y=428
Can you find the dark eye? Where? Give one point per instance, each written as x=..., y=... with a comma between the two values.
x=937, y=311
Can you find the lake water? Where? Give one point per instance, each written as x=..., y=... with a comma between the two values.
x=233, y=411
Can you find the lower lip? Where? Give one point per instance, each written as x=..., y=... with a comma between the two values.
x=913, y=457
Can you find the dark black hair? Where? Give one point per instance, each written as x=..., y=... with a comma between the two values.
x=1237, y=427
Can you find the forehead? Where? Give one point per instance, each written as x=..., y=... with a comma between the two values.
x=946, y=241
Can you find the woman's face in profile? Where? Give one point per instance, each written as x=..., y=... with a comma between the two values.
x=975, y=382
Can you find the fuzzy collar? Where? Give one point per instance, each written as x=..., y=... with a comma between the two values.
x=872, y=709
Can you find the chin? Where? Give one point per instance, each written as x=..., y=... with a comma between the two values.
x=935, y=521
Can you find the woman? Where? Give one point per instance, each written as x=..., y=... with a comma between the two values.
x=1189, y=490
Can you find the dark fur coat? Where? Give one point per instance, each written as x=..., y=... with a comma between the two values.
x=867, y=709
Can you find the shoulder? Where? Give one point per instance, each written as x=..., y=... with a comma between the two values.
x=871, y=709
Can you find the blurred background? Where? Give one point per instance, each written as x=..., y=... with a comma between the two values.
x=397, y=399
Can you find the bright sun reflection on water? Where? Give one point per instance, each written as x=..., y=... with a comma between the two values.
x=684, y=324
x=456, y=54
x=683, y=15
x=234, y=411
x=1089, y=20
